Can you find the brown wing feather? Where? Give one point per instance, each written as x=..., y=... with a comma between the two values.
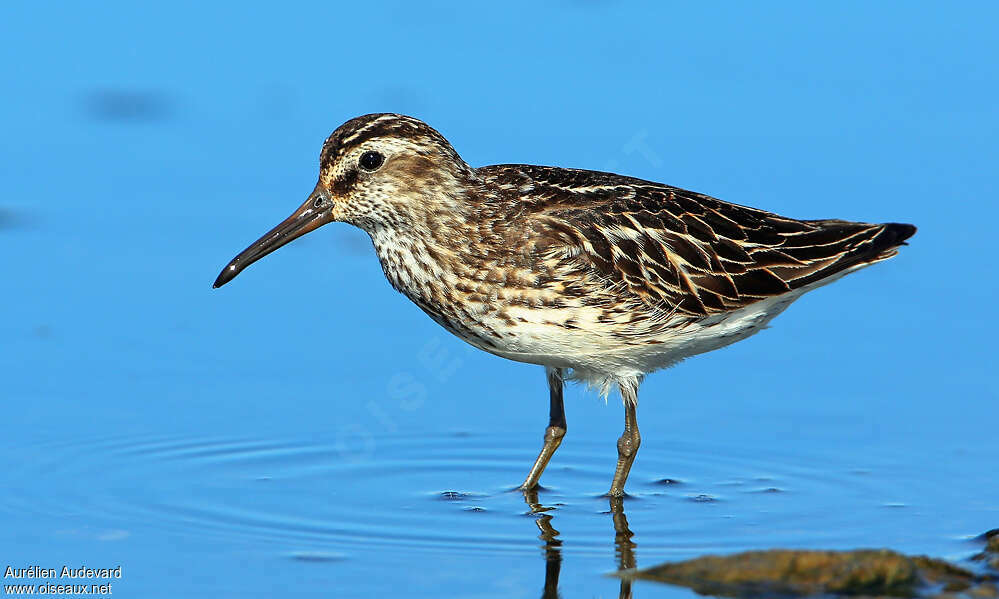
x=688, y=251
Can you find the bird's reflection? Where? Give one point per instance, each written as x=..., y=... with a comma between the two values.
x=624, y=548
x=553, y=546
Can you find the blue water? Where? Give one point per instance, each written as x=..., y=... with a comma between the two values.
x=305, y=431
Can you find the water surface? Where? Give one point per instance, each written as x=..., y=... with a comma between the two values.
x=305, y=431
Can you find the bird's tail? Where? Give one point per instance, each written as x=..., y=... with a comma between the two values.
x=832, y=247
x=892, y=235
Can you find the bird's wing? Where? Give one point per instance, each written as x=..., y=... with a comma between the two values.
x=687, y=251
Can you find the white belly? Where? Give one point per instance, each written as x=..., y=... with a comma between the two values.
x=597, y=346
x=598, y=354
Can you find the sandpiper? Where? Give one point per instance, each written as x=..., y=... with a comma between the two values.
x=597, y=277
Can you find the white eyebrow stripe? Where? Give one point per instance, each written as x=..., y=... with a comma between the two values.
x=368, y=126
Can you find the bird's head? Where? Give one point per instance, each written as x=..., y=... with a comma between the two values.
x=375, y=171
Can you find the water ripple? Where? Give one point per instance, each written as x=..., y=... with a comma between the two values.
x=437, y=492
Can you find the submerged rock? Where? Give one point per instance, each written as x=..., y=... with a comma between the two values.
x=800, y=573
x=991, y=553
x=789, y=572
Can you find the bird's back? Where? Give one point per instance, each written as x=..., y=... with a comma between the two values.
x=696, y=254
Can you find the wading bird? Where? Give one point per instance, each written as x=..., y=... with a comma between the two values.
x=595, y=276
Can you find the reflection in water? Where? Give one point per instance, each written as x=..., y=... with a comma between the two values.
x=624, y=548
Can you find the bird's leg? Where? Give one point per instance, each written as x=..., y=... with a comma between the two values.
x=554, y=432
x=628, y=443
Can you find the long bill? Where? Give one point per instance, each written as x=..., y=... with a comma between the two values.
x=308, y=217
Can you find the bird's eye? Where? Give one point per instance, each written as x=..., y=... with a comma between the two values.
x=371, y=161
x=318, y=203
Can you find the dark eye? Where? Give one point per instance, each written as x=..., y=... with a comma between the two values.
x=371, y=160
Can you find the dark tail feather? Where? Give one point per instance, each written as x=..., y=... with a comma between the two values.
x=892, y=236
x=862, y=243
x=895, y=234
